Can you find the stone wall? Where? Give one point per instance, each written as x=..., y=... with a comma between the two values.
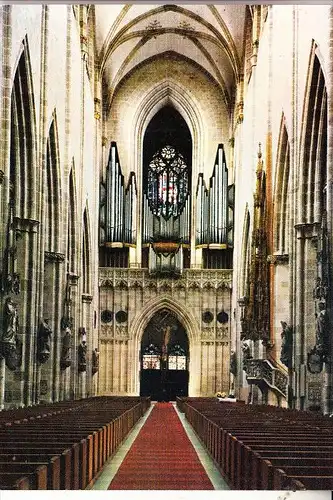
x=141, y=296
x=61, y=95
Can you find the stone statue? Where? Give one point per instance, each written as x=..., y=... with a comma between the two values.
x=65, y=359
x=66, y=322
x=233, y=363
x=14, y=354
x=286, y=345
x=82, y=352
x=10, y=322
x=11, y=345
x=246, y=349
x=320, y=291
x=95, y=361
x=322, y=329
x=13, y=283
x=44, y=338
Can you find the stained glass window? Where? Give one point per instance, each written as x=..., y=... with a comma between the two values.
x=151, y=362
x=167, y=183
x=151, y=359
x=177, y=362
x=177, y=358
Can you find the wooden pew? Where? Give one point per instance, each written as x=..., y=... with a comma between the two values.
x=80, y=436
x=28, y=477
x=236, y=437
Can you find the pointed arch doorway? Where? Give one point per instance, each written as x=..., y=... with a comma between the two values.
x=164, y=358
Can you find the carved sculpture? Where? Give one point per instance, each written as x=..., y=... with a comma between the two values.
x=246, y=349
x=82, y=354
x=321, y=289
x=286, y=345
x=43, y=343
x=255, y=322
x=322, y=330
x=10, y=322
x=95, y=361
x=233, y=363
x=11, y=345
x=319, y=354
x=65, y=359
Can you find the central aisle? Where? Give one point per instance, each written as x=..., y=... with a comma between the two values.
x=161, y=457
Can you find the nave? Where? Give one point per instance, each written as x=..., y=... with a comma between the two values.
x=191, y=444
x=162, y=452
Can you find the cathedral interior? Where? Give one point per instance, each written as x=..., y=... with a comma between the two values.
x=166, y=205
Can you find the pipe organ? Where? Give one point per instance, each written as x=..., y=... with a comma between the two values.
x=166, y=210
x=166, y=214
x=117, y=204
x=173, y=229
x=214, y=206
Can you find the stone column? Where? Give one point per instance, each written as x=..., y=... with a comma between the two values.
x=5, y=120
x=328, y=370
x=63, y=390
x=305, y=314
x=293, y=194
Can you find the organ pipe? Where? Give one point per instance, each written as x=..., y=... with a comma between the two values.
x=117, y=204
x=199, y=206
x=130, y=211
x=214, y=221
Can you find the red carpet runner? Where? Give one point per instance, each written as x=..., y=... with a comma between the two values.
x=161, y=457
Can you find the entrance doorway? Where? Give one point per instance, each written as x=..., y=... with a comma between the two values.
x=164, y=358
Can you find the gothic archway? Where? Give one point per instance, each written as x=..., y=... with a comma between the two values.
x=164, y=358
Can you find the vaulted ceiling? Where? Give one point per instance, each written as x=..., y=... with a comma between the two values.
x=209, y=36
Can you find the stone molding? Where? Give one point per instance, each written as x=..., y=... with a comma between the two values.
x=121, y=332
x=87, y=298
x=26, y=225
x=54, y=257
x=278, y=259
x=307, y=230
x=73, y=279
x=190, y=279
x=108, y=332
x=222, y=331
x=114, y=341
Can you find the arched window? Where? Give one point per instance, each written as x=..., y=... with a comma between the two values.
x=151, y=358
x=168, y=183
x=86, y=270
x=177, y=358
x=282, y=199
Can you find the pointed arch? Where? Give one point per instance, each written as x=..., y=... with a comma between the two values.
x=23, y=138
x=168, y=92
x=281, y=203
x=91, y=36
x=245, y=254
x=71, y=221
x=53, y=205
x=314, y=142
x=185, y=317
x=165, y=302
x=86, y=253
